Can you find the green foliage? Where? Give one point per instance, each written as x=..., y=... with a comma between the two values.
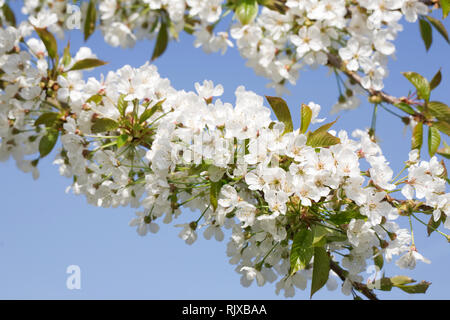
x=104, y=125
x=420, y=83
x=306, y=118
x=48, y=142
x=91, y=18
x=162, y=40
x=417, y=136
x=302, y=250
x=246, y=11
x=281, y=110
x=149, y=112
x=434, y=140
x=321, y=137
x=87, y=64
x=426, y=32
x=49, y=41
x=321, y=269
x=47, y=119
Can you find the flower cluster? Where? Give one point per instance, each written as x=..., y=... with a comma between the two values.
x=130, y=139
x=283, y=38
x=298, y=205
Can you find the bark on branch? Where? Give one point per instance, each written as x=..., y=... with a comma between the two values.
x=362, y=288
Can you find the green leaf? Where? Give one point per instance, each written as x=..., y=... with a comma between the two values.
x=321, y=269
x=122, y=140
x=9, y=14
x=87, y=64
x=417, y=136
x=122, y=104
x=306, y=118
x=96, y=98
x=426, y=32
x=104, y=125
x=281, y=110
x=47, y=119
x=442, y=126
x=66, y=55
x=445, y=5
x=320, y=236
x=433, y=225
x=405, y=107
x=301, y=250
x=434, y=140
x=444, y=151
x=439, y=26
x=246, y=11
x=325, y=127
x=161, y=41
x=214, y=193
x=420, y=287
x=91, y=19
x=440, y=110
x=49, y=41
x=436, y=80
x=48, y=142
x=149, y=112
x=378, y=258
x=420, y=83
x=321, y=139
x=401, y=280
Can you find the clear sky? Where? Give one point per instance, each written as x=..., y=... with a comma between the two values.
x=43, y=230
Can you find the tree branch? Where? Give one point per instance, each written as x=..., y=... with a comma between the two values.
x=358, y=286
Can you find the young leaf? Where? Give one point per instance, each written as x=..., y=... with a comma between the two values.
x=281, y=110
x=91, y=17
x=420, y=287
x=301, y=250
x=121, y=140
x=96, y=98
x=440, y=110
x=420, y=83
x=66, y=55
x=49, y=41
x=344, y=217
x=442, y=126
x=434, y=140
x=401, y=280
x=9, y=14
x=48, y=119
x=433, y=225
x=104, y=125
x=321, y=139
x=214, y=193
x=149, y=112
x=436, y=80
x=417, y=136
x=48, y=142
x=378, y=258
x=320, y=234
x=306, y=118
x=122, y=104
x=246, y=11
x=87, y=64
x=444, y=151
x=405, y=107
x=445, y=5
x=161, y=41
x=321, y=269
x=426, y=32
x=439, y=26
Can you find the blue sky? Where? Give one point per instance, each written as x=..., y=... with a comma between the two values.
x=43, y=230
